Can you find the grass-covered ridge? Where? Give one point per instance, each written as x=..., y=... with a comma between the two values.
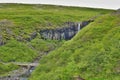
x=19, y=21
x=29, y=15
x=28, y=18
x=93, y=54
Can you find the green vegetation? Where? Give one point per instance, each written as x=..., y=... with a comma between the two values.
x=93, y=54
x=46, y=46
x=24, y=19
x=16, y=51
x=5, y=68
x=19, y=21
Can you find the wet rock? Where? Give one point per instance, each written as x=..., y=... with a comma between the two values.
x=66, y=32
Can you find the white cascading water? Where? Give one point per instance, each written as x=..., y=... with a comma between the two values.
x=78, y=26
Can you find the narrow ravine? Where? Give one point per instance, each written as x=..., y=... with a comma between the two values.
x=24, y=72
x=26, y=69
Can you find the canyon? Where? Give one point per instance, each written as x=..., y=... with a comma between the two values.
x=67, y=32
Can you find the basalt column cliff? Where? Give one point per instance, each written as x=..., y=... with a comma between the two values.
x=67, y=32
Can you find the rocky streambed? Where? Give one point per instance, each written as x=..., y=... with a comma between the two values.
x=22, y=73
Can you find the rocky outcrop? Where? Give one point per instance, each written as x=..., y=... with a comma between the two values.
x=1, y=41
x=67, y=32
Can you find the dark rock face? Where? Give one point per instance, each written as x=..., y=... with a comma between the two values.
x=67, y=32
x=1, y=41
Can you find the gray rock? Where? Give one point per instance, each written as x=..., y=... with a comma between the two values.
x=66, y=32
x=1, y=41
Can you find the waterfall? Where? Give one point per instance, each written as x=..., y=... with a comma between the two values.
x=78, y=26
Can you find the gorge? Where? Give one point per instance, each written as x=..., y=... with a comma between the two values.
x=66, y=32
x=68, y=43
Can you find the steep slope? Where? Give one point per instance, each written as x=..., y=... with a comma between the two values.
x=93, y=54
x=20, y=25
x=20, y=21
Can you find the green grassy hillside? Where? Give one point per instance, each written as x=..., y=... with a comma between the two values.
x=16, y=51
x=93, y=54
x=5, y=68
x=19, y=21
x=23, y=19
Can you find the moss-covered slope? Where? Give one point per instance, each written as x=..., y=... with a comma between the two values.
x=19, y=21
x=24, y=19
x=93, y=54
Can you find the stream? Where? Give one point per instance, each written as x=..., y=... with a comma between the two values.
x=27, y=74
x=24, y=72
x=20, y=74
